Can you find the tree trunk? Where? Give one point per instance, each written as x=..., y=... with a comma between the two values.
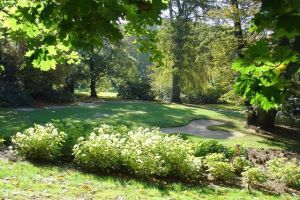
x=70, y=85
x=261, y=118
x=92, y=78
x=266, y=119
x=177, y=37
x=176, y=89
x=93, y=88
x=251, y=114
x=238, y=28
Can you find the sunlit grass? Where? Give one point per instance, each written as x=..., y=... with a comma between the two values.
x=23, y=180
x=136, y=114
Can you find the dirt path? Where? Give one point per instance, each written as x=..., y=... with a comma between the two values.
x=199, y=128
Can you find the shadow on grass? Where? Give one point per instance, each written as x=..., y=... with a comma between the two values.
x=223, y=127
x=164, y=185
x=282, y=137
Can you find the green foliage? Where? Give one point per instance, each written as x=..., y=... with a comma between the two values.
x=236, y=150
x=219, y=168
x=213, y=146
x=53, y=29
x=261, y=79
x=148, y=152
x=2, y=141
x=268, y=66
x=74, y=131
x=208, y=147
x=215, y=157
x=40, y=143
x=285, y=171
x=145, y=152
x=209, y=96
x=254, y=176
x=101, y=151
x=281, y=16
x=12, y=95
x=240, y=164
x=207, y=55
x=59, y=95
x=231, y=98
x=135, y=90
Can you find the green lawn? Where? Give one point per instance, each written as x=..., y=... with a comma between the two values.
x=137, y=114
x=23, y=180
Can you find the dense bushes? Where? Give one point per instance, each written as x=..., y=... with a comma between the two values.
x=219, y=168
x=207, y=147
x=59, y=95
x=144, y=152
x=12, y=95
x=136, y=91
x=211, y=95
x=101, y=151
x=148, y=153
x=253, y=176
x=240, y=164
x=40, y=143
x=287, y=172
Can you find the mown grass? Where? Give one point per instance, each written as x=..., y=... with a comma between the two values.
x=136, y=114
x=23, y=180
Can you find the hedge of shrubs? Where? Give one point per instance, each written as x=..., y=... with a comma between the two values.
x=146, y=152
x=136, y=91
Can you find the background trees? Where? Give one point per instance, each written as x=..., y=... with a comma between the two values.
x=187, y=58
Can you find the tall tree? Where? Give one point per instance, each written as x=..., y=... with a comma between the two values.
x=181, y=13
x=238, y=32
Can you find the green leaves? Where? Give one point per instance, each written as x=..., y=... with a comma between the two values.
x=84, y=24
x=48, y=56
x=262, y=70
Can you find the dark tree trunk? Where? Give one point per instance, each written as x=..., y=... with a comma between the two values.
x=266, y=119
x=251, y=114
x=93, y=78
x=176, y=89
x=70, y=85
x=93, y=88
x=261, y=118
x=238, y=29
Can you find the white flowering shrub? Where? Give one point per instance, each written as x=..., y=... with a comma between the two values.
x=219, y=168
x=287, y=172
x=253, y=176
x=145, y=152
x=39, y=142
x=148, y=152
x=102, y=150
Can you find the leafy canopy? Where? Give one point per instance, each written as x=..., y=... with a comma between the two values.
x=261, y=74
x=52, y=28
x=267, y=66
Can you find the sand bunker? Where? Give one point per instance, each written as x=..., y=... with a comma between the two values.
x=199, y=128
